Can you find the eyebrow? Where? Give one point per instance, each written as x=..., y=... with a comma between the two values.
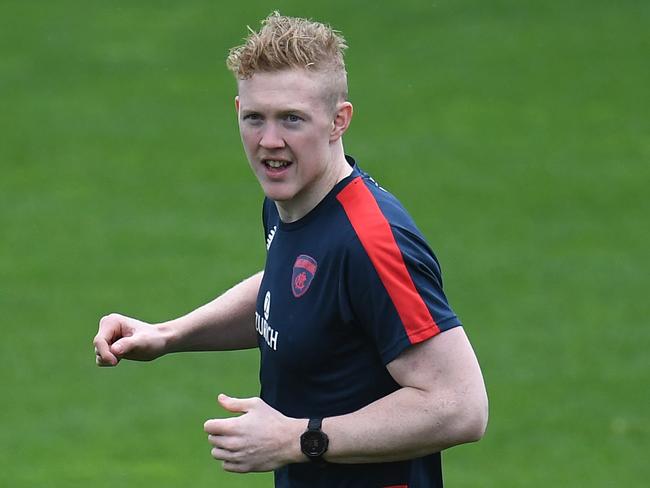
x=284, y=111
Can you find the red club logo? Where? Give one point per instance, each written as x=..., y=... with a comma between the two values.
x=304, y=270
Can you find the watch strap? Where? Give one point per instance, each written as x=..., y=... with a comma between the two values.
x=314, y=424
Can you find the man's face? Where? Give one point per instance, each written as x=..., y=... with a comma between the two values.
x=286, y=129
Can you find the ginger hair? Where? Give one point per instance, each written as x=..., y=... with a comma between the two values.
x=285, y=43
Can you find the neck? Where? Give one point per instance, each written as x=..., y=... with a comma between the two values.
x=336, y=170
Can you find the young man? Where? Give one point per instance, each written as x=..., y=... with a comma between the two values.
x=366, y=372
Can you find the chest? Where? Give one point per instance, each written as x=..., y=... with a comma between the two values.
x=302, y=315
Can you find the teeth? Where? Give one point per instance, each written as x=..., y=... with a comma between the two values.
x=276, y=164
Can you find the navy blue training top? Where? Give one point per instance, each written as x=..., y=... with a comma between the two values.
x=346, y=289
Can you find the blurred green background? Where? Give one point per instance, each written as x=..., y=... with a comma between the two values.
x=516, y=132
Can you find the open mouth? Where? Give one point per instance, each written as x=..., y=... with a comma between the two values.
x=276, y=164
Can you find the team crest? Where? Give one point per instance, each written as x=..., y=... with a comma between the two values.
x=304, y=270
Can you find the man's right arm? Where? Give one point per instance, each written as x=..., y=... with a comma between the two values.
x=225, y=323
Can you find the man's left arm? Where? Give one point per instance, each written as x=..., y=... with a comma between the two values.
x=442, y=402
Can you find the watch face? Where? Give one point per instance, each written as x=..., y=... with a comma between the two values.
x=313, y=443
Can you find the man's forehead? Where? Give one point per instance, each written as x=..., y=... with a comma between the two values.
x=286, y=76
x=297, y=87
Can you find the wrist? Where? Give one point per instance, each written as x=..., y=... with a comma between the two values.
x=169, y=337
x=295, y=429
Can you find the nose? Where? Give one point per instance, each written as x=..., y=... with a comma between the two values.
x=271, y=137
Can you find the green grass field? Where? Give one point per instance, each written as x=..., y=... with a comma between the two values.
x=516, y=132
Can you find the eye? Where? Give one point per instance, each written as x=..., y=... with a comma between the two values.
x=252, y=117
x=292, y=118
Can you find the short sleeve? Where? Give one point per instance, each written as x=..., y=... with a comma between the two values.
x=395, y=290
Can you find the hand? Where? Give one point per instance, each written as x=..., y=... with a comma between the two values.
x=262, y=439
x=123, y=337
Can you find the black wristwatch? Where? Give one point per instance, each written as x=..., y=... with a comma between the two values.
x=314, y=442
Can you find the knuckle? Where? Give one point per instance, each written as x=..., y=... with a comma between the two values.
x=109, y=318
x=239, y=446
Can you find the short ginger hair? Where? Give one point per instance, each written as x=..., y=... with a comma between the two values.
x=285, y=43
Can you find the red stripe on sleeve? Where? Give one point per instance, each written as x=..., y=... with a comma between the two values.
x=374, y=232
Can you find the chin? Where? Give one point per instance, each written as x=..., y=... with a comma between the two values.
x=278, y=194
x=279, y=190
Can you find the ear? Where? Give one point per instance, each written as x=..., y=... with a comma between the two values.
x=237, y=104
x=341, y=122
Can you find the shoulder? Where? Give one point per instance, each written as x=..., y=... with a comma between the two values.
x=383, y=233
x=376, y=214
